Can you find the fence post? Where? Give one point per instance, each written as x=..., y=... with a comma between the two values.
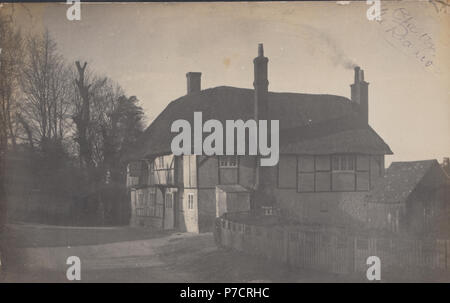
x=286, y=245
x=353, y=254
x=446, y=254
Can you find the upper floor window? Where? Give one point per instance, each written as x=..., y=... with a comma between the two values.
x=164, y=169
x=325, y=173
x=228, y=161
x=161, y=162
x=135, y=168
x=343, y=162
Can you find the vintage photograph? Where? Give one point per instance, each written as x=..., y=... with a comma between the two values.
x=225, y=142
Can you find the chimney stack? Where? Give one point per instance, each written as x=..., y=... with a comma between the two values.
x=446, y=161
x=193, y=82
x=446, y=165
x=262, y=194
x=261, y=84
x=360, y=95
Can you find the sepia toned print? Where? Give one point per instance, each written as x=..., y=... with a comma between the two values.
x=225, y=142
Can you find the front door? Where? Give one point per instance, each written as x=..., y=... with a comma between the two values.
x=169, y=216
x=176, y=211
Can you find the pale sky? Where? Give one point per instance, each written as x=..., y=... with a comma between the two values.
x=147, y=48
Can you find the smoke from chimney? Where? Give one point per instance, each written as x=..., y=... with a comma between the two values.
x=329, y=46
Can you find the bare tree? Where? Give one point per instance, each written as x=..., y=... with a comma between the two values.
x=45, y=84
x=10, y=62
x=59, y=110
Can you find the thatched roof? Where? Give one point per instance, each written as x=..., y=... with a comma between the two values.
x=344, y=135
x=308, y=123
x=402, y=178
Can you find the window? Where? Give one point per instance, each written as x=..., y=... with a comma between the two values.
x=228, y=161
x=134, y=169
x=343, y=163
x=169, y=200
x=163, y=170
x=350, y=163
x=161, y=162
x=268, y=210
x=190, y=201
x=151, y=173
x=146, y=202
x=343, y=174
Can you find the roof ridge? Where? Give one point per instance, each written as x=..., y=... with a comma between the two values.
x=270, y=92
x=426, y=160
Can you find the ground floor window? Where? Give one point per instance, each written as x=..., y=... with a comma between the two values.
x=190, y=201
x=228, y=161
x=146, y=203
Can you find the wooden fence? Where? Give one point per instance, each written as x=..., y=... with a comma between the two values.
x=334, y=250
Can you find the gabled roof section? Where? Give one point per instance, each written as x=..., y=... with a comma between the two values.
x=401, y=179
x=343, y=135
x=303, y=118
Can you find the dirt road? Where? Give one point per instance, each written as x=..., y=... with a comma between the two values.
x=124, y=254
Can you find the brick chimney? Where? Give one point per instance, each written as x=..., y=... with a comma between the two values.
x=262, y=194
x=360, y=94
x=193, y=82
x=261, y=85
